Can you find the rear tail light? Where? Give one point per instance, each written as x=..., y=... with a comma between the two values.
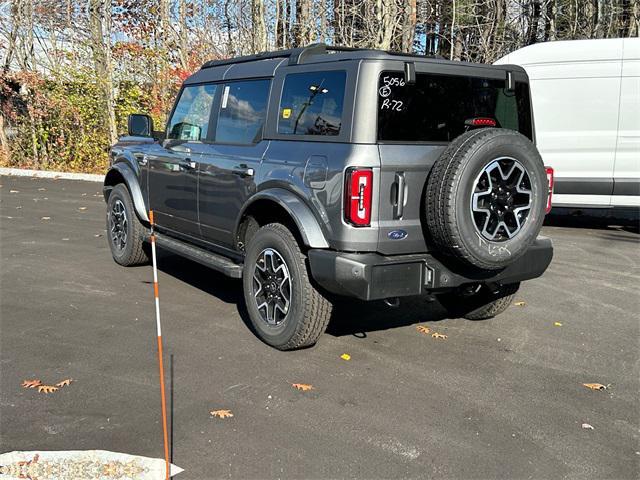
x=480, y=122
x=550, y=182
x=358, y=188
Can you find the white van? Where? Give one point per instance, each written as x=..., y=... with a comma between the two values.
x=586, y=107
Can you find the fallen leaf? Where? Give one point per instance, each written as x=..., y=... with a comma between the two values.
x=14, y=191
x=587, y=426
x=221, y=413
x=82, y=208
x=41, y=189
x=423, y=329
x=18, y=207
x=302, y=386
x=97, y=235
x=439, y=335
x=520, y=303
x=46, y=218
x=47, y=389
x=64, y=383
x=84, y=194
x=31, y=383
x=557, y=324
x=345, y=356
x=595, y=386
x=65, y=239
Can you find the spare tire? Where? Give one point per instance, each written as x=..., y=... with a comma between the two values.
x=486, y=197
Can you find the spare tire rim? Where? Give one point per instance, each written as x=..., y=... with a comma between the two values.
x=118, y=225
x=272, y=287
x=501, y=199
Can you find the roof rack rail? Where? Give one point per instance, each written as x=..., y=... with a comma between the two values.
x=248, y=58
x=298, y=55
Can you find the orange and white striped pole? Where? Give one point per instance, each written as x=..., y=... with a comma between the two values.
x=159, y=330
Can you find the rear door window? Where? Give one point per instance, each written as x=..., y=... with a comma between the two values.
x=243, y=107
x=312, y=103
x=436, y=107
x=190, y=119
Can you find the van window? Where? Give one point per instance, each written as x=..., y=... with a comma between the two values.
x=243, y=107
x=190, y=119
x=312, y=103
x=435, y=108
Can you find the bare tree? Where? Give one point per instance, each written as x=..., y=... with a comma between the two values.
x=302, y=28
x=259, y=27
x=100, y=30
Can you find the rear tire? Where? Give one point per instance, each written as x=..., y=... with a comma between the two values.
x=125, y=233
x=481, y=305
x=285, y=309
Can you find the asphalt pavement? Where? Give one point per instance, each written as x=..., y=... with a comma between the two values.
x=501, y=398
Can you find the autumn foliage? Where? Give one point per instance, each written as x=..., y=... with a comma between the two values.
x=71, y=72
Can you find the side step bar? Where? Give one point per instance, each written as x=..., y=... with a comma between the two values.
x=204, y=257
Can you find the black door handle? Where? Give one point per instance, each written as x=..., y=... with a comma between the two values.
x=243, y=171
x=188, y=164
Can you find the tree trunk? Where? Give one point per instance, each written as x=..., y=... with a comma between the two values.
x=302, y=31
x=550, y=26
x=259, y=27
x=409, y=26
x=100, y=28
x=534, y=20
x=228, y=26
x=182, y=44
x=386, y=13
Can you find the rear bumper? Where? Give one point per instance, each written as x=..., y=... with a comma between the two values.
x=371, y=276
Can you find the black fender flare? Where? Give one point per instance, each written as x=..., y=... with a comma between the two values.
x=131, y=181
x=305, y=220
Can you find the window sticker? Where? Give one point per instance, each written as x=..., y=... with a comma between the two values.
x=286, y=112
x=225, y=96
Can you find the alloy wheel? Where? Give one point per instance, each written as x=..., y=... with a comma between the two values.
x=272, y=287
x=501, y=199
x=118, y=224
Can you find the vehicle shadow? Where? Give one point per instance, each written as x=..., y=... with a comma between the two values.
x=228, y=290
x=593, y=220
x=349, y=316
x=357, y=318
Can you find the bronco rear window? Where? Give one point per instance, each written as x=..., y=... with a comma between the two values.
x=436, y=107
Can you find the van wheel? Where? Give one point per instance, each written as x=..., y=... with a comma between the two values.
x=125, y=233
x=480, y=304
x=285, y=309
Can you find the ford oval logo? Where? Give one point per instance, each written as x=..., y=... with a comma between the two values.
x=397, y=234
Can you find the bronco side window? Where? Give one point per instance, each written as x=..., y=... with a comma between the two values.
x=190, y=119
x=243, y=107
x=312, y=103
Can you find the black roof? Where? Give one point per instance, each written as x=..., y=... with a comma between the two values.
x=266, y=63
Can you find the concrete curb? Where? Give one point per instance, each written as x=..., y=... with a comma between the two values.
x=18, y=172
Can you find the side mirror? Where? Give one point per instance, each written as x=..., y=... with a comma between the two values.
x=140, y=125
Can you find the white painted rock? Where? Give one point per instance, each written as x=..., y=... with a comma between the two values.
x=82, y=464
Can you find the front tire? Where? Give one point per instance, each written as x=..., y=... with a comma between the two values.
x=285, y=309
x=480, y=305
x=125, y=233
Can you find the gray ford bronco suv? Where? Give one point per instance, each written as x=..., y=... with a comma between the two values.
x=319, y=173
